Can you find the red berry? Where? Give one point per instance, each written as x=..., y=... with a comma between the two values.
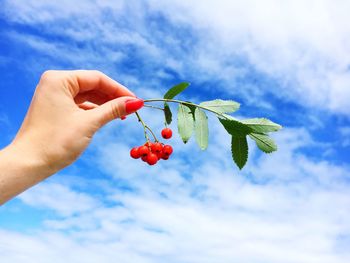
x=152, y=159
x=167, y=150
x=159, y=155
x=148, y=144
x=144, y=158
x=157, y=147
x=167, y=133
x=164, y=156
x=134, y=153
x=143, y=150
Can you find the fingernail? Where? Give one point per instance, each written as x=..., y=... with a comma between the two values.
x=123, y=118
x=133, y=105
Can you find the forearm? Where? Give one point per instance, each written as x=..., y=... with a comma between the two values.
x=19, y=170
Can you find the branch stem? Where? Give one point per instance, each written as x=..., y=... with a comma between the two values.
x=143, y=124
x=187, y=103
x=153, y=107
x=145, y=128
x=154, y=137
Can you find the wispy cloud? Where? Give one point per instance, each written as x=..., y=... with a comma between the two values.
x=300, y=48
x=4, y=119
x=45, y=196
x=293, y=210
x=290, y=206
x=345, y=134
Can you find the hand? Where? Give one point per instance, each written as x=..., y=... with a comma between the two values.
x=68, y=107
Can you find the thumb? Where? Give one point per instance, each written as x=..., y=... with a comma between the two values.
x=116, y=108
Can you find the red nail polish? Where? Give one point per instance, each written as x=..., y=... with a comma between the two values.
x=133, y=105
x=123, y=118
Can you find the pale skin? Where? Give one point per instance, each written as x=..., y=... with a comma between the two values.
x=67, y=109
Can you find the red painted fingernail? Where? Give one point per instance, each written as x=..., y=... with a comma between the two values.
x=123, y=118
x=133, y=105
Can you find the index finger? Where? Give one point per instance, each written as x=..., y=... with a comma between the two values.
x=95, y=80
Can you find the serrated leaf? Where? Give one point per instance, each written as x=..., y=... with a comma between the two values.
x=262, y=125
x=175, y=90
x=185, y=122
x=201, y=128
x=221, y=106
x=167, y=113
x=234, y=127
x=239, y=149
x=264, y=142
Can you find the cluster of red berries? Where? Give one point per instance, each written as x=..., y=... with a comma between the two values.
x=152, y=152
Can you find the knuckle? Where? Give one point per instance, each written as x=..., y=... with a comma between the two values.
x=115, y=111
x=47, y=75
x=50, y=76
x=92, y=72
x=97, y=72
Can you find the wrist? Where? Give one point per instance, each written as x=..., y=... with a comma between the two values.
x=19, y=170
x=27, y=157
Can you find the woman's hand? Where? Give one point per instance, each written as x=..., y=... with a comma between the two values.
x=68, y=107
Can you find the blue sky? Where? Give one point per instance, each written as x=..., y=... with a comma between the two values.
x=288, y=62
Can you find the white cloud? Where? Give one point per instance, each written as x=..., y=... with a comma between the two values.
x=196, y=209
x=284, y=207
x=59, y=198
x=303, y=47
x=345, y=131
x=345, y=136
x=4, y=119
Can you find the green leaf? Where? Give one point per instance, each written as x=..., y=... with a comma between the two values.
x=239, y=148
x=262, y=125
x=172, y=92
x=221, y=106
x=191, y=106
x=185, y=122
x=167, y=113
x=201, y=128
x=226, y=116
x=264, y=142
x=235, y=128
